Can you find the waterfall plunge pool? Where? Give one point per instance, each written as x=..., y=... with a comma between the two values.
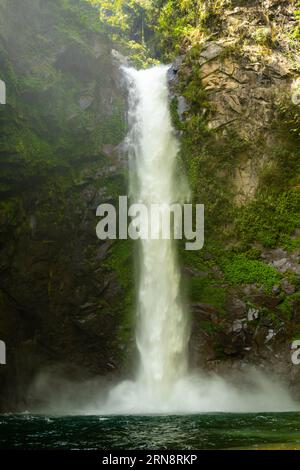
x=170, y=432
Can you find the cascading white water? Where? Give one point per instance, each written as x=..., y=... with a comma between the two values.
x=162, y=333
x=162, y=324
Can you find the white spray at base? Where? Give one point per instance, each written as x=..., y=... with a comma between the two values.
x=163, y=383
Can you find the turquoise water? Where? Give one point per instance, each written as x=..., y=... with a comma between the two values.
x=196, y=432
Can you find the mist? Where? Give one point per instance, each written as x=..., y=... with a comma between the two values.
x=250, y=391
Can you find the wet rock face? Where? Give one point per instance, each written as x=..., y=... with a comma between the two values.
x=172, y=75
x=174, y=69
x=61, y=301
x=283, y=260
x=242, y=93
x=243, y=72
x=252, y=327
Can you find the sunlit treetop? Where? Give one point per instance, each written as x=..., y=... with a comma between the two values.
x=170, y=21
x=122, y=15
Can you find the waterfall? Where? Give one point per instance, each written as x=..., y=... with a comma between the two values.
x=162, y=332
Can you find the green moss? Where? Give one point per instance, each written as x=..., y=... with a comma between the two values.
x=121, y=261
x=174, y=114
x=290, y=243
x=296, y=32
x=207, y=326
x=9, y=212
x=113, y=128
x=204, y=291
x=239, y=269
x=288, y=115
x=270, y=219
x=115, y=185
x=263, y=36
x=287, y=306
x=181, y=24
x=195, y=93
x=253, y=253
x=41, y=78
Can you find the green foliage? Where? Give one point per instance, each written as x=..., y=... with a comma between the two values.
x=120, y=260
x=210, y=159
x=123, y=16
x=43, y=127
x=287, y=306
x=129, y=23
x=274, y=215
x=162, y=27
x=270, y=219
x=182, y=23
x=81, y=15
x=297, y=29
x=290, y=243
x=113, y=128
x=115, y=185
x=253, y=253
x=203, y=290
x=174, y=114
x=289, y=115
x=9, y=212
x=263, y=36
x=239, y=269
x=207, y=326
